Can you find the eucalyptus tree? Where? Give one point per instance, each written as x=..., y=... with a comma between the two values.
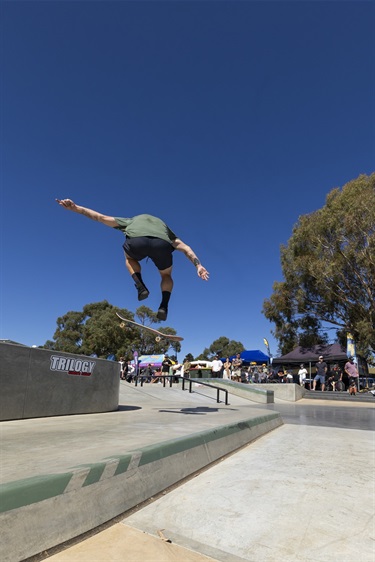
x=328, y=267
x=97, y=330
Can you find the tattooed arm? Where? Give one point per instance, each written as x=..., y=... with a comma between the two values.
x=94, y=215
x=182, y=247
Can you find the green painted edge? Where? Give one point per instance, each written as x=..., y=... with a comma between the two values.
x=31, y=490
x=175, y=446
x=124, y=461
x=38, y=488
x=96, y=471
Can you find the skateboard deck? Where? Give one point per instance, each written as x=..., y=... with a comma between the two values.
x=158, y=335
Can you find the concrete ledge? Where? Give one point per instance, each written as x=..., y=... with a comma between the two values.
x=252, y=392
x=261, y=393
x=39, y=383
x=44, y=511
x=284, y=391
x=343, y=396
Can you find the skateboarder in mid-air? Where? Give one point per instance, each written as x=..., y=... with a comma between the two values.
x=146, y=236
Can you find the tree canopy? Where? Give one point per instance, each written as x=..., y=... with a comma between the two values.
x=97, y=330
x=223, y=347
x=328, y=267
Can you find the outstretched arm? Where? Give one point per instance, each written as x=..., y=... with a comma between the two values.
x=94, y=215
x=182, y=247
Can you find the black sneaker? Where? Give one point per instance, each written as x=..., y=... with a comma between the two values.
x=162, y=313
x=143, y=293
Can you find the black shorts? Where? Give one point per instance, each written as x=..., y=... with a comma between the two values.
x=158, y=250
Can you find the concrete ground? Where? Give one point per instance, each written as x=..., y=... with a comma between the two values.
x=146, y=415
x=304, y=492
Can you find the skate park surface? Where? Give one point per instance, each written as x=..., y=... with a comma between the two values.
x=303, y=490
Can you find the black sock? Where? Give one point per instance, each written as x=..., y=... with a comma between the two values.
x=137, y=277
x=166, y=295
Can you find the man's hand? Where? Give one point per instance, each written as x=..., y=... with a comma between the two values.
x=202, y=272
x=67, y=204
x=178, y=244
x=89, y=213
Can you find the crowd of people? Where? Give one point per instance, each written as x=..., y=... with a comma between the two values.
x=324, y=377
x=335, y=378
x=149, y=373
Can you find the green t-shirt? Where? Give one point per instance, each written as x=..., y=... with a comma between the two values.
x=145, y=225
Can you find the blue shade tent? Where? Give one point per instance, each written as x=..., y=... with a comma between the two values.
x=252, y=356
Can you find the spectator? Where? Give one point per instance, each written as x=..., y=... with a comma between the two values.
x=166, y=365
x=352, y=372
x=302, y=374
x=244, y=377
x=288, y=376
x=177, y=371
x=334, y=380
x=216, y=367
x=147, y=373
x=130, y=372
x=255, y=374
x=123, y=368
x=321, y=370
x=227, y=367
x=264, y=375
x=272, y=376
x=187, y=367
x=236, y=367
x=156, y=376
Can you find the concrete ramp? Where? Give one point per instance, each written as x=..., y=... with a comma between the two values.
x=63, y=476
x=39, y=383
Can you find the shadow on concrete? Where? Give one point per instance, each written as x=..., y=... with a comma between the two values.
x=199, y=411
x=123, y=408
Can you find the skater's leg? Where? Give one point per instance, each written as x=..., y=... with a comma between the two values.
x=166, y=290
x=166, y=280
x=134, y=268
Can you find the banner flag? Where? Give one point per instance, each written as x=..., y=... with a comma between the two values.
x=350, y=346
x=268, y=348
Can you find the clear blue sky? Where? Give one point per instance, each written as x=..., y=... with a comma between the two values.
x=228, y=120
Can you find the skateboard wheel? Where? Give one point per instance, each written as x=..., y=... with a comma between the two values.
x=157, y=339
x=122, y=325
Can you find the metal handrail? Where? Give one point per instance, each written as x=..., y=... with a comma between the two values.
x=142, y=379
x=198, y=381
x=184, y=379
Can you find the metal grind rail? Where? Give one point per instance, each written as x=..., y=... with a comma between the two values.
x=142, y=380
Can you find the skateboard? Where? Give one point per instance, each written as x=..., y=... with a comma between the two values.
x=158, y=335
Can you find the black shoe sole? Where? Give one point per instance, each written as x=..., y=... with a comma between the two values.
x=162, y=314
x=143, y=295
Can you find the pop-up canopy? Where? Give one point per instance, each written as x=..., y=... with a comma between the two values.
x=252, y=356
x=153, y=360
